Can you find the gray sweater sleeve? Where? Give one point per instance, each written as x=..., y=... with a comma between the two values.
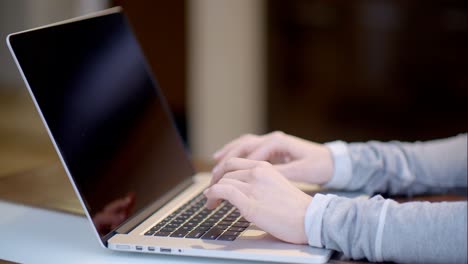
x=379, y=229
x=404, y=168
x=383, y=230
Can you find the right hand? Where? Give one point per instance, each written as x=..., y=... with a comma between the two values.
x=297, y=159
x=264, y=197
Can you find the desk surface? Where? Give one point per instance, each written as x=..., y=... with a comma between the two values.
x=33, y=235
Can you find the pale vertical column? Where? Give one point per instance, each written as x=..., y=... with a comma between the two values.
x=41, y=12
x=226, y=95
x=82, y=7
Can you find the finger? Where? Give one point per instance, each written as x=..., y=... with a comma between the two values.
x=239, y=175
x=243, y=142
x=242, y=186
x=232, y=164
x=266, y=150
x=229, y=193
x=220, y=153
x=239, y=151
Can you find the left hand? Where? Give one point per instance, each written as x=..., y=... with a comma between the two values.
x=263, y=196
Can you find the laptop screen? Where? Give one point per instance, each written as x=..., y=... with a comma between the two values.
x=105, y=113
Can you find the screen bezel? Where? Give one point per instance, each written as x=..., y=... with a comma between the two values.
x=150, y=209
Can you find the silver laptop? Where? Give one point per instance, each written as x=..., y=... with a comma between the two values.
x=114, y=134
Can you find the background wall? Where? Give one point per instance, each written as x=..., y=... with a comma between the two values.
x=16, y=15
x=361, y=70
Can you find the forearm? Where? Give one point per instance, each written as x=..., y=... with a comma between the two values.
x=383, y=230
x=400, y=168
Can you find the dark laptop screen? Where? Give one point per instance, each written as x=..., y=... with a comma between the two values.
x=106, y=114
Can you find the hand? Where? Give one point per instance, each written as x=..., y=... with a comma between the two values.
x=263, y=197
x=295, y=158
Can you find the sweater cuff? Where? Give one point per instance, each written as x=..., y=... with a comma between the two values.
x=342, y=172
x=313, y=218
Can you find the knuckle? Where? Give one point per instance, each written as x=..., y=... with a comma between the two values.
x=228, y=191
x=277, y=134
x=257, y=172
x=209, y=192
x=222, y=181
x=229, y=163
x=247, y=137
x=248, y=212
x=264, y=164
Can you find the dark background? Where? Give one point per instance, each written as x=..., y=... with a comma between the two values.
x=353, y=70
x=359, y=70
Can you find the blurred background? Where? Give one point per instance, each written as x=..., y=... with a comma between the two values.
x=318, y=69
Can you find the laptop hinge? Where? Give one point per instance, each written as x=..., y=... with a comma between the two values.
x=133, y=222
x=107, y=237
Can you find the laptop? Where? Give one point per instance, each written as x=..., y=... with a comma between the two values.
x=115, y=137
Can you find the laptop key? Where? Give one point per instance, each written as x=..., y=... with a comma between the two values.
x=183, y=216
x=196, y=219
x=161, y=233
x=216, y=216
x=179, y=233
x=175, y=225
x=149, y=233
x=207, y=224
x=241, y=224
x=168, y=229
x=196, y=233
x=224, y=223
x=223, y=227
x=234, y=214
x=227, y=238
x=230, y=219
x=211, y=220
x=186, y=228
x=213, y=234
x=222, y=212
x=156, y=227
x=178, y=221
x=203, y=228
x=242, y=219
x=236, y=229
x=190, y=224
x=232, y=233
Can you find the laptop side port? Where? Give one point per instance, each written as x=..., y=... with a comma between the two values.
x=139, y=248
x=165, y=250
x=150, y=248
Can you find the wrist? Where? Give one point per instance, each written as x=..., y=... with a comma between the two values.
x=303, y=232
x=341, y=165
x=320, y=166
x=314, y=217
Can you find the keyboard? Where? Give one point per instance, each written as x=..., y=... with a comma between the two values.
x=194, y=220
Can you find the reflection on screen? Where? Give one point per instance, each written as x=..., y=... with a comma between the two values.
x=105, y=113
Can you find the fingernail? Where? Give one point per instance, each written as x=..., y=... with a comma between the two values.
x=216, y=154
x=206, y=190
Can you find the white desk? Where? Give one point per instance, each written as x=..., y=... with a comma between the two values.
x=33, y=235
